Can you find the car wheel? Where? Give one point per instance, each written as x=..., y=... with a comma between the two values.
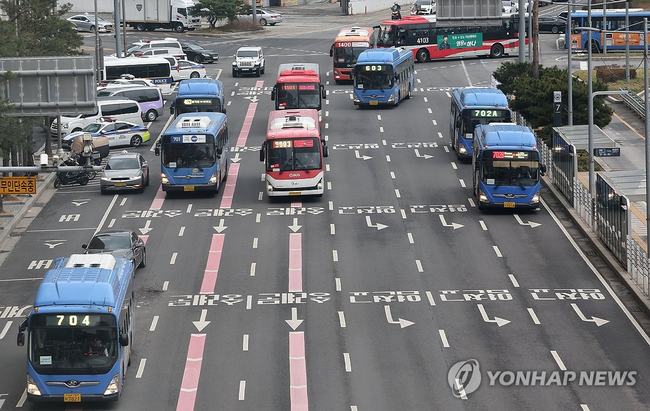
x=92, y=29
x=263, y=68
x=143, y=263
x=234, y=73
x=195, y=75
x=140, y=27
x=147, y=182
x=263, y=22
x=136, y=141
x=178, y=28
x=555, y=30
x=422, y=55
x=197, y=59
x=152, y=115
x=142, y=184
x=257, y=72
x=103, y=191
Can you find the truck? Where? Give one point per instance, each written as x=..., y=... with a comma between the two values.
x=160, y=14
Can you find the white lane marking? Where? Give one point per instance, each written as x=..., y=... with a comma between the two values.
x=483, y=226
x=397, y=194
x=346, y=360
x=403, y=212
x=165, y=285
x=332, y=226
x=435, y=123
x=330, y=204
x=337, y=282
x=182, y=230
x=443, y=338
x=327, y=166
x=5, y=329
x=252, y=272
x=335, y=255
x=329, y=185
x=143, y=362
x=469, y=80
x=428, y=109
x=255, y=242
x=627, y=313
x=453, y=164
x=342, y=319
x=446, y=148
x=263, y=175
x=532, y=314
x=260, y=196
x=249, y=302
x=430, y=298
x=242, y=390
x=9, y=280
x=426, y=100
x=245, y=342
x=125, y=198
x=378, y=115
x=471, y=202
x=440, y=135
x=584, y=407
x=497, y=251
x=558, y=360
x=154, y=323
x=258, y=217
x=189, y=206
x=392, y=173
x=419, y=265
x=22, y=399
x=462, y=182
x=108, y=210
x=172, y=261
x=381, y=129
x=383, y=142
x=388, y=159
x=110, y=225
x=514, y=280
x=461, y=390
x=410, y=237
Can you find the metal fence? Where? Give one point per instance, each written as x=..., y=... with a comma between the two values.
x=636, y=103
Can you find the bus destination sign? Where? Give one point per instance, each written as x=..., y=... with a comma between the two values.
x=510, y=155
x=17, y=185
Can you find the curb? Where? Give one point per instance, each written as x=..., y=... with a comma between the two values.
x=607, y=256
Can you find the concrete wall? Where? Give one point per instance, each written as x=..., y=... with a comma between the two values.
x=361, y=6
x=83, y=6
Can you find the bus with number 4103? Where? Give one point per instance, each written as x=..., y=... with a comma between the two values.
x=80, y=330
x=507, y=168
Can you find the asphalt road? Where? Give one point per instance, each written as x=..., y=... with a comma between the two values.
x=402, y=277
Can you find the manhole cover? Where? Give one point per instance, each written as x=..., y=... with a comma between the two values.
x=635, y=309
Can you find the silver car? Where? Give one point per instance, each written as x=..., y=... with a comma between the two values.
x=86, y=22
x=265, y=16
x=125, y=171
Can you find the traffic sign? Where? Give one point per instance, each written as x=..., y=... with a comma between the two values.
x=17, y=185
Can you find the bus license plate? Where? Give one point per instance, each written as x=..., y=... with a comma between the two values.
x=188, y=188
x=373, y=102
x=120, y=184
x=509, y=204
x=295, y=193
x=71, y=397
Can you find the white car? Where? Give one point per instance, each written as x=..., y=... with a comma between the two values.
x=187, y=69
x=119, y=133
x=264, y=16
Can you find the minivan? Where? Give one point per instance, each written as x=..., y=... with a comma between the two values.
x=150, y=98
x=117, y=108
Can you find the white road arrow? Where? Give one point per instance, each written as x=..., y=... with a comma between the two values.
x=236, y=158
x=425, y=156
x=379, y=226
x=499, y=321
x=389, y=317
x=530, y=223
x=294, y=322
x=202, y=323
x=444, y=222
x=295, y=227
x=146, y=228
x=253, y=99
x=598, y=321
x=52, y=245
x=220, y=227
x=357, y=155
x=80, y=201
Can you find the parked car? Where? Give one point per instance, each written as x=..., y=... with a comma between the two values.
x=125, y=171
x=120, y=243
x=86, y=22
x=119, y=133
x=171, y=44
x=264, y=16
x=551, y=24
x=198, y=54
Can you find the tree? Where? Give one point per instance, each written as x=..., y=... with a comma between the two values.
x=533, y=98
x=213, y=10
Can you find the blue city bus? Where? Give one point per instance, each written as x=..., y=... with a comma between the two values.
x=507, y=167
x=383, y=77
x=80, y=330
x=199, y=95
x=194, y=152
x=610, y=31
x=471, y=106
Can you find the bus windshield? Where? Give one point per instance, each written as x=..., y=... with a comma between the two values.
x=347, y=56
x=373, y=77
x=294, y=154
x=299, y=95
x=199, y=155
x=73, y=343
x=504, y=168
x=474, y=117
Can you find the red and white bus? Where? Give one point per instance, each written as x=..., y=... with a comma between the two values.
x=293, y=154
x=348, y=44
x=298, y=87
x=428, y=40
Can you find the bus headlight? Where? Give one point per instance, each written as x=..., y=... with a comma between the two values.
x=391, y=99
x=535, y=198
x=113, y=386
x=164, y=178
x=355, y=99
x=462, y=149
x=320, y=184
x=482, y=197
x=32, y=388
x=269, y=187
x=214, y=178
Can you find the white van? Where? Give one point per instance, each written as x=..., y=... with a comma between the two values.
x=150, y=98
x=116, y=108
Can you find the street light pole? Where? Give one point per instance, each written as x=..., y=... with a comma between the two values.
x=627, y=42
x=522, y=32
x=590, y=87
x=647, y=124
x=568, y=32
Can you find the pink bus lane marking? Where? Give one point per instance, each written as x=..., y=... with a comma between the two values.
x=295, y=262
x=212, y=266
x=158, y=201
x=144, y=238
x=298, y=371
x=259, y=84
x=229, y=189
x=246, y=127
x=192, y=373
x=296, y=205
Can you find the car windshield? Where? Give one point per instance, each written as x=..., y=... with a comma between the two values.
x=92, y=128
x=247, y=54
x=125, y=163
x=116, y=241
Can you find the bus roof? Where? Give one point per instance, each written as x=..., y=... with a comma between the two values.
x=84, y=279
x=611, y=13
x=480, y=97
x=201, y=122
x=389, y=55
x=293, y=123
x=200, y=87
x=411, y=20
x=110, y=61
x=354, y=34
x=505, y=135
x=298, y=72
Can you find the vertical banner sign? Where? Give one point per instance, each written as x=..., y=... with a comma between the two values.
x=557, y=108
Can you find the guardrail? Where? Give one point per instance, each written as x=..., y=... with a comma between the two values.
x=635, y=102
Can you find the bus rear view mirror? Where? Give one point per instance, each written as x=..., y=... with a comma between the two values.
x=156, y=150
x=219, y=151
x=323, y=93
x=273, y=91
x=124, y=339
x=20, y=340
x=332, y=50
x=326, y=151
x=262, y=152
x=542, y=169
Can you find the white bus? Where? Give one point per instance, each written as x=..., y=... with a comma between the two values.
x=156, y=69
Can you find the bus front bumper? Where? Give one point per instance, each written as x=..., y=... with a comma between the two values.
x=84, y=398
x=189, y=187
x=508, y=203
x=280, y=188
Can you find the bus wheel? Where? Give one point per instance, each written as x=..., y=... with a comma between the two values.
x=496, y=51
x=594, y=47
x=408, y=94
x=422, y=55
